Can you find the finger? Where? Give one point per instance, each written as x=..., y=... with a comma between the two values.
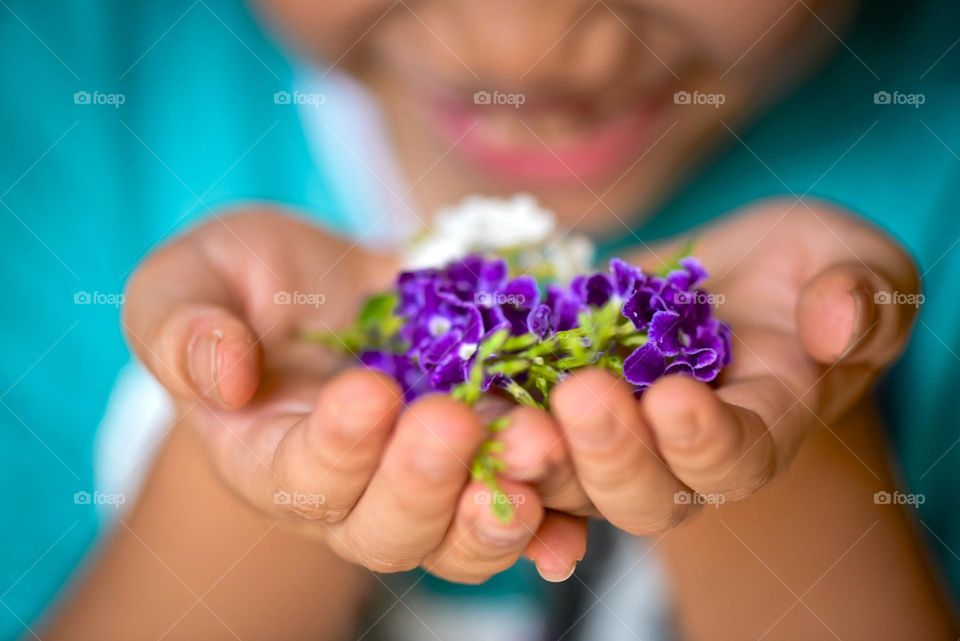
x=559, y=545
x=615, y=455
x=206, y=351
x=854, y=313
x=412, y=498
x=715, y=448
x=178, y=316
x=323, y=464
x=534, y=451
x=478, y=544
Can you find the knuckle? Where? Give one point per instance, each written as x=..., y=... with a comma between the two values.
x=657, y=521
x=297, y=494
x=317, y=513
x=376, y=554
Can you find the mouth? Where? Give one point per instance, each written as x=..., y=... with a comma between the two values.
x=553, y=142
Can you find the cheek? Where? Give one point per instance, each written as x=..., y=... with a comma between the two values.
x=319, y=29
x=729, y=29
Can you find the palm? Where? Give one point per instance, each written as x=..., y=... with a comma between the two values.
x=805, y=347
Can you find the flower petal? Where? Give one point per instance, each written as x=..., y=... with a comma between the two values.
x=538, y=321
x=664, y=331
x=645, y=365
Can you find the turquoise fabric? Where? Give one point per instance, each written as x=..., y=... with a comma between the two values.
x=903, y=174
x=87, y=190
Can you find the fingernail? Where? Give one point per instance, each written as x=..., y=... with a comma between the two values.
x=202, y=363
x=863, y=316
x=556, y=577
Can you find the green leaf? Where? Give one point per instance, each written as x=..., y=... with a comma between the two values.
x=377, y=308
x=499, y=424
x=674, y=263
x=501, y=507
x=521, y=342
x=521, y=395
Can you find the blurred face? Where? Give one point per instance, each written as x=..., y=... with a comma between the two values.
x=596, y=107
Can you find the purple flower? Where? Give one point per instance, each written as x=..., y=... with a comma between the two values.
x=540, y=320
x=595, y=289
x=645, y=365
x=401, y=368
x=516, y=300
x=683, y=336
x=448, y=313
x=566, y=307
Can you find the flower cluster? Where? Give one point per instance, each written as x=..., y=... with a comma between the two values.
x=471, y=326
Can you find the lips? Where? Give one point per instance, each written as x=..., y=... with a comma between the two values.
x=546, y=144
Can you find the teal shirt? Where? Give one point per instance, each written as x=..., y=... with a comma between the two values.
x=86, y=190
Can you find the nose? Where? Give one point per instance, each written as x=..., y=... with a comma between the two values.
x=554, y=44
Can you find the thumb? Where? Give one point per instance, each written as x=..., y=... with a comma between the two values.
x=204, y=351
x=854, y=313
x=178, y=320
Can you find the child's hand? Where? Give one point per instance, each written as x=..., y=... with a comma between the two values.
x=218, y=316
x=812, y=301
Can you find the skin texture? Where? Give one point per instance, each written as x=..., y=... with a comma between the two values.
x=600, y=452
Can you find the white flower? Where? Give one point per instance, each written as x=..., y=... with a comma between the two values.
x=492, y=225
x=480, y=224
x=570, y=256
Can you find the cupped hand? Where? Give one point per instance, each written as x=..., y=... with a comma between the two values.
x=819, y=302
x=219, y=316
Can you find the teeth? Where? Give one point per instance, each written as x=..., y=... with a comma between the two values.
x=502, y=129
x=507, y=128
